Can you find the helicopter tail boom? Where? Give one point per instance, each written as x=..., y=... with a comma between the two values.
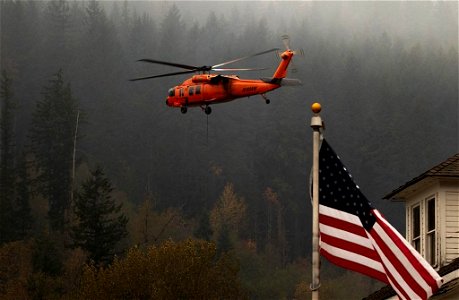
x=281, y=71
x=282, y=81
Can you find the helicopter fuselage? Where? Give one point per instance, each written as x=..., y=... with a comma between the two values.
x=203, y=90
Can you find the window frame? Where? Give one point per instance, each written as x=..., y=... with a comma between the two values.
x=423, y=227
x=416, y=240
x=431, y=232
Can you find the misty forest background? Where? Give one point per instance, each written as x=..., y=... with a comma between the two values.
x=386, y=74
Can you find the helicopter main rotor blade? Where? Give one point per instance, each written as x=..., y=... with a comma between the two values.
x=246, y=69
x=242, y=58
x=162, y=75
x=153, y=61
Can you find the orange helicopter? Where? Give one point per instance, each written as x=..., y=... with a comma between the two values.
x=204, y=89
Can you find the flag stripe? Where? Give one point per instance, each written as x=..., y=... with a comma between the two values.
x=344, y=236
x=429, y=275
x=333, y=221
x=401, y=271
x=351, y=247
x=352, y=265
x=397, y=283
x=341, y=215
x=343, y=244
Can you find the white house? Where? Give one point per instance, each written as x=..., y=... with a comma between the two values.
x=432, y=223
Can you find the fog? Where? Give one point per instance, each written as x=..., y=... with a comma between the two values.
x=386, y=74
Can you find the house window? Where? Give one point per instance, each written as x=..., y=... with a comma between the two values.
x=430, y=232
x=416, y=226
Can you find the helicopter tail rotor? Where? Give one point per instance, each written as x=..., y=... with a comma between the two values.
x=286, y=42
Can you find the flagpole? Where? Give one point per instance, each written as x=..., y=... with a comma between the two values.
x=316, y=124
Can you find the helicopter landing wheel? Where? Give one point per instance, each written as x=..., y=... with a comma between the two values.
x=266, y=98
x=207, y=110
x=183, y=109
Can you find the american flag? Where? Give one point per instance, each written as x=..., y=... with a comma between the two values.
x=355, y=236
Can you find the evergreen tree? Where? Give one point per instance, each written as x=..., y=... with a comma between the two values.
x=57, y=25
x=172, y=29
x=204, y=230
x=52, y=135
x=23, y=216
x=7, y=158
x=224, y=243
x=100, y=223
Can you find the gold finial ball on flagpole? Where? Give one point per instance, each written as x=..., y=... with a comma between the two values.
x=316, y=107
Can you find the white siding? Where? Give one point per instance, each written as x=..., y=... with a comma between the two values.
x=451, y=225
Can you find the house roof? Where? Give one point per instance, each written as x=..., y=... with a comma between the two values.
x=387, y=291
x=447, y=169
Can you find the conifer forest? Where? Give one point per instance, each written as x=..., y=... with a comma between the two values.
x=108, y=193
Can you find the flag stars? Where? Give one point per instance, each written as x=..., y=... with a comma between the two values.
x=337, y=188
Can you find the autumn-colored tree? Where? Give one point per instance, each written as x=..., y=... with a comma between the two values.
x=27, y=270
x=229, y=211
x=184, y=270
x=15, y=266
x=148, y=226
x=276, y=240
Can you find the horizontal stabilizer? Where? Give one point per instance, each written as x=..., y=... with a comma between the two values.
x=282, y=81
x=290, y=82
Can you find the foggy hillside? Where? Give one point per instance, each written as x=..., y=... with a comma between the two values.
x=386, y=74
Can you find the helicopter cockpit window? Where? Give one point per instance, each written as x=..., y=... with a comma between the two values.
x=172, y=92
x=191, y=90
x=181, y=93
x=198, y=90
